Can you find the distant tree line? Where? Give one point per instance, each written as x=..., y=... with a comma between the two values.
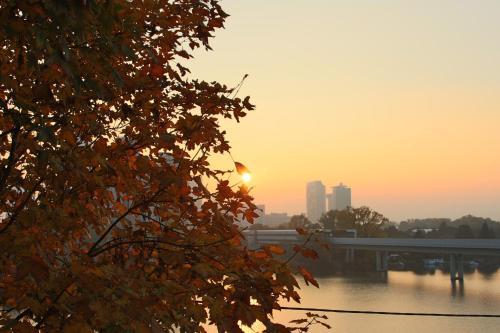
x=370, y=223
x=367, y=222
x=467, y=226
x=296, y=221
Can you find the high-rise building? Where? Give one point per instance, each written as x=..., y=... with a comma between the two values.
x=316, y=200
x=330, y=202
x=340, y=198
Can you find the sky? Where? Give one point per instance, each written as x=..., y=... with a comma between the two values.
x=400, y=100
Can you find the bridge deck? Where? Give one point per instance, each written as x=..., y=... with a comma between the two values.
x=456, y=246
x=489, y=247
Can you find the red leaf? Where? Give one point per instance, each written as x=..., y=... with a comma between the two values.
x=309, y=253
x=308, y=278
x=301, y=231
x=240, y=168
x=157, y=70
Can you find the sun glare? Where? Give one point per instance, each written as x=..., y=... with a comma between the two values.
x=246, y=177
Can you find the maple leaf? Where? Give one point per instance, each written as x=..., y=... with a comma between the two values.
x=157, y=70
x=275, y=249
x=308, y=278
x=301, y=231
x=240, y=168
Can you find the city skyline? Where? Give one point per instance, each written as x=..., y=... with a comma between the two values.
x=388, y=97
x=318, y=202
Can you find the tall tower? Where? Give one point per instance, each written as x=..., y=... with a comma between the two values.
x=330, y=202
x=341, y=197
x=316, y=200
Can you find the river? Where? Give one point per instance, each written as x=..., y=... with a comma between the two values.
x=401, y=291
x=406, y=292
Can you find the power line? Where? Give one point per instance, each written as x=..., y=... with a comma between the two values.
x=391, y=313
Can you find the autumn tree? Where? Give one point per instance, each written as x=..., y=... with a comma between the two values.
x=366, y=221
x=106, y=221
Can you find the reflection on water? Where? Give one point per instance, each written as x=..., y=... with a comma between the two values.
x=403, y=292
x=407, y=292
x=457, y=289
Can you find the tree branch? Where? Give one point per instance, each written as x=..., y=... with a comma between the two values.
x=7, y=132
x=121, y=217
x=114, y=243
x=51, y=308
x=297, y=252
x=20, y=207
x=11, y=323
x=10, y=162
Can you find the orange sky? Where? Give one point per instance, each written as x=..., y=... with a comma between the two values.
x=398, y=99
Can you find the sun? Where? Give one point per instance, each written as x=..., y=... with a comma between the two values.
x=246, y=177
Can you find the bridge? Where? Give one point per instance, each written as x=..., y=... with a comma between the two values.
x=456, y=248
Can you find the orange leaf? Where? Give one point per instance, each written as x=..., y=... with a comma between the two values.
x=260, y=255
x=157, y=70
x=276, y=249
x=68, y=137
x=240, y=168
x=308, y=278
x=309, y=253
x=121, y=208
x=301, y=231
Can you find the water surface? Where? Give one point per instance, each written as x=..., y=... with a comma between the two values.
x=405, y=292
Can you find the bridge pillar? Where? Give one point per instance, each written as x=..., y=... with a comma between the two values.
x=456, y=267
x=460, y=264
x=381, y=260
x=349, y=255
x=251, y=239
x=385, y=261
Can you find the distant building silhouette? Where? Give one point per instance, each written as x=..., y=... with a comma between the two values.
x=330, y=202
x=276, y=219
x=261, y=211
x=340, y=198
x=316, y=200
